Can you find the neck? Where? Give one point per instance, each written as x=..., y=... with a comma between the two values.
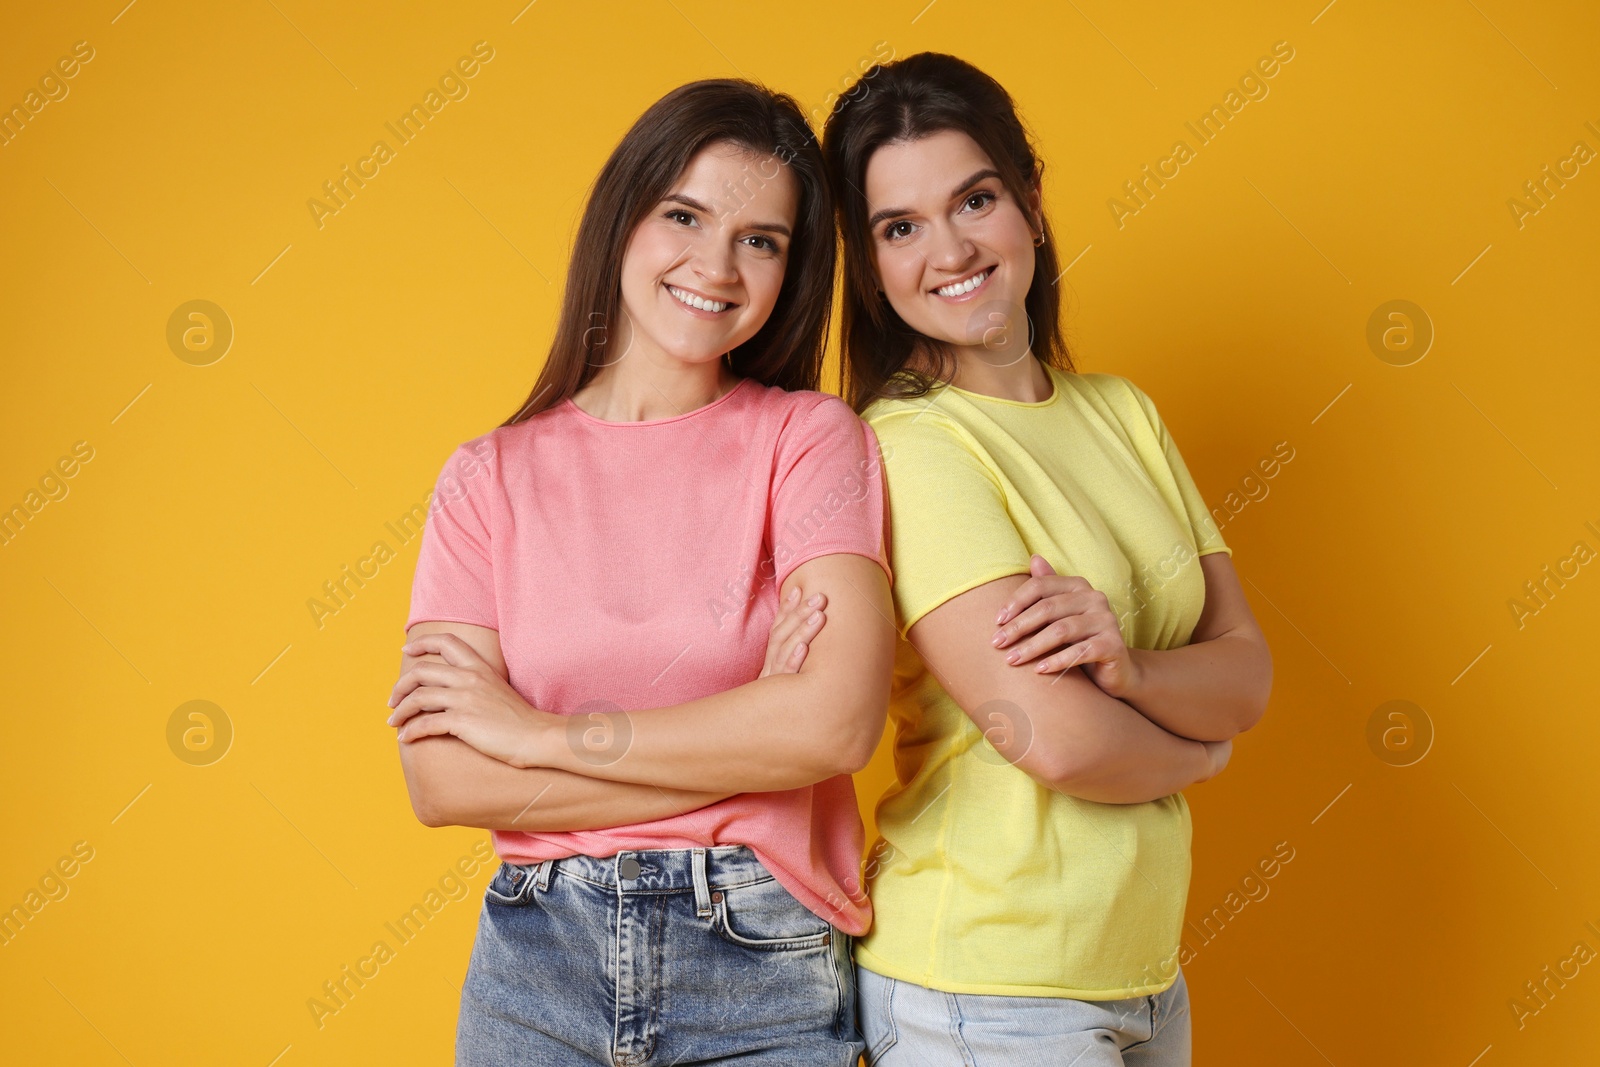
x=636, y=389
x=1024, y=380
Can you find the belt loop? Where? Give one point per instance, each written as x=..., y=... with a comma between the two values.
x=542, y=879
x=702, y=888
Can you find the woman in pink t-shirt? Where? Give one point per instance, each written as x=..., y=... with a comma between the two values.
x=598, y=666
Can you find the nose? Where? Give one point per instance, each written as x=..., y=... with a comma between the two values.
x=947, y=249
x=714, y=263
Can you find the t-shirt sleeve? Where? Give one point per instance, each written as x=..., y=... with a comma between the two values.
x=454, y=581
x=827, y=490
x=1207, y=537
x=950, y=528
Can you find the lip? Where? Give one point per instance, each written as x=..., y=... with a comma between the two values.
x=699, y=313
x=934, y=292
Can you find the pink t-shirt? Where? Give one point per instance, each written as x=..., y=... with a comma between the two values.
x=637, y=565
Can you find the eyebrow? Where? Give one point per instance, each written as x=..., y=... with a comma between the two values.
x=891, y=212
x=689, y=201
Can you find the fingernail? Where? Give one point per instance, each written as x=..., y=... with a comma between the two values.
x=997, y=639
x=816, y=616
x=1011, y=657
x=1000, y=618
x=816, y=598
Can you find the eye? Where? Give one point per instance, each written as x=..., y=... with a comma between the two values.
x=764, y=242
x=896, y=231
x=979, y=200
x=679, y=215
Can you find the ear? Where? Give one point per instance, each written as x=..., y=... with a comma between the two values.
x=1035, y=207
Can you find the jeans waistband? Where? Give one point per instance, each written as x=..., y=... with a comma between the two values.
x=661, y=870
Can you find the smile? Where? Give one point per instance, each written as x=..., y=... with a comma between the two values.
x=966, y=285
x=698, y=302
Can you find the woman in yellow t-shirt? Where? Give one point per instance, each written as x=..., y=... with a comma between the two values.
x=1032, y=864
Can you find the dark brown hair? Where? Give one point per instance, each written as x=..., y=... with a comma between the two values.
x=787, y=351
x=907, y=100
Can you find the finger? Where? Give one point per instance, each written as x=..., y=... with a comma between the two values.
x=794, y=617
x=422, y=699
x=1035, y=618
x=427, y=672
x=1039, y=587
x=1051, y=639
x=1024, y=596
x=432, y=724
x=1078, y=601
x=802, y=610
x=1038, y=566
x=784, y=626
x=455, y=651
x=803, y=633
x=1068, y=658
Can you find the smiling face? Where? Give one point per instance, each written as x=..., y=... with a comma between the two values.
x=702, y=272
x=951, y=246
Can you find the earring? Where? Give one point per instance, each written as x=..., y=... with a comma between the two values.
x=1038, y=242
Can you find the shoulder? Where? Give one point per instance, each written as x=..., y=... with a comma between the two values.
x=1129, y=404
x=800, y=418
x=495, y=451
x=1112, y=388
x=924, y=424
x=797, y=406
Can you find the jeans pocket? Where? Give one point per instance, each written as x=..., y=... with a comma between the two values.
x=875, y=995
x=512, y=885
x=766, y=916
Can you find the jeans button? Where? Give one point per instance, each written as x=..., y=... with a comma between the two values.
x=628, y=868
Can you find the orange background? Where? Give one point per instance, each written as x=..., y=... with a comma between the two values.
x=1382, y=560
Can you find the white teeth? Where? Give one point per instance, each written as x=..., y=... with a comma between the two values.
x=696, y=301
x=963, y=287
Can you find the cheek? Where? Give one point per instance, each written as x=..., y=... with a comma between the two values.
x=1013, y=246
x=1009, y=235
x=649, y=254
x=900, y=273
x=763, y=280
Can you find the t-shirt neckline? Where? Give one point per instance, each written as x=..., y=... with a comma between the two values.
x=658, y=422
x=1055, y=393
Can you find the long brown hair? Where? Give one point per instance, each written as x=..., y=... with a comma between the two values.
x=787, y=351
x=904, y=101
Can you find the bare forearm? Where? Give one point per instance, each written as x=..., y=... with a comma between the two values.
x=453, y=784
x=783, y=731
x=1101, y=749
x=1208, y=691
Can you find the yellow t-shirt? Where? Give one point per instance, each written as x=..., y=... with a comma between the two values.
x=983, y=880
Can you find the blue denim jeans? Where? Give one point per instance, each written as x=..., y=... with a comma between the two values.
x=655, y=957
x=908, y=1025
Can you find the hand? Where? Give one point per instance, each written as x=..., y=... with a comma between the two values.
x=1220, y=752
x=465, y=697
x=792, y=630
x=1070, y=620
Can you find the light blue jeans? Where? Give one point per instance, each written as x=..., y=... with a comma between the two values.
x=908, y=1025
x=652, y=958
